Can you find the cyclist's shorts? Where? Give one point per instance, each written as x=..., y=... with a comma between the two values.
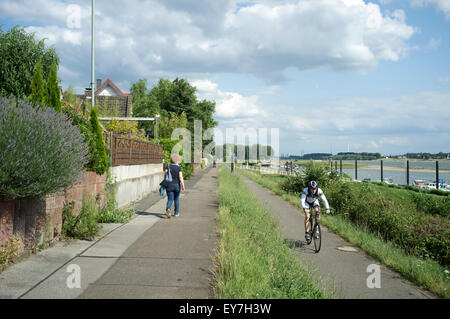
x=308, y=205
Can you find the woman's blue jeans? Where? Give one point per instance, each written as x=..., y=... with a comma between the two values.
x=173, y=195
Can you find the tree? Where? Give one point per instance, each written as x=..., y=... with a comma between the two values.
x=69, y=95
x=53, y=94
x=37, y=97
x=144, y=104
x=19, y=54
x=101, y=161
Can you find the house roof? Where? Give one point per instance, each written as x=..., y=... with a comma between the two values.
x=112, y=84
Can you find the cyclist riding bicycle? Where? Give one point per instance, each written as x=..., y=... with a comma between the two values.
x=309, y=199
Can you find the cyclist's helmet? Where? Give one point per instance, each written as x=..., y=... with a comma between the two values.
x=313, y=185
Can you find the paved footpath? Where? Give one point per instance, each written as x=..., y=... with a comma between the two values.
x=348, y=270
x=149, y=257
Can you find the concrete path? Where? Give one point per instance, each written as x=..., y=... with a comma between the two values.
x=149, y=257
x=348, y=269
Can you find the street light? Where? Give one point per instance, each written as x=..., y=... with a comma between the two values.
x=92, y=58
x=156, y=128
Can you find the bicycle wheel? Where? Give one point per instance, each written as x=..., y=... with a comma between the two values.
x=317, y=235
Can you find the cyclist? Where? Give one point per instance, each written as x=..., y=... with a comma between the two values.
x=309, y=199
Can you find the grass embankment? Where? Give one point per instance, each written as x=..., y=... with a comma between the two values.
x=252, y=260
x=425, y=272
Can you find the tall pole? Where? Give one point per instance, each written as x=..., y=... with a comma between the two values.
x=437, y=174
x=407, y=172
x=92, y=58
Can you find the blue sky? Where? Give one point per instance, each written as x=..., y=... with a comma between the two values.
x=331, y=75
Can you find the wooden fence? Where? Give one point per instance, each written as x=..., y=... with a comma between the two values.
x=128, y=151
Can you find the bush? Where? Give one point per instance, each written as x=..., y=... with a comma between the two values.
x=312, y=172
x=110, y=213
x=90, y=141
x=432, y=204
x=99, y=163
x=41, y=151
x=83, y=226
x=416, y=233
x=12, y=249
x=126, y=129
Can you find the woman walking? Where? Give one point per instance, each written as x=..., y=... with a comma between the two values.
x=175, y=187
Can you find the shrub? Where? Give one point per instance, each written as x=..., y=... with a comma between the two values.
x=110, y=213
x=416, y=233
x=41, y=151
x=99, y=162
x=127, y=129
x=312, y=172
x=12, y=249
x=83, y=226
x=53, y=94
x=432, y=204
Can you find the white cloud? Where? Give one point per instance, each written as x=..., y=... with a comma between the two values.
x=441, y=5
x=263, y=39
x=229, y=105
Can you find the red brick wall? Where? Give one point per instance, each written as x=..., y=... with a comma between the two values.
x=31, y=219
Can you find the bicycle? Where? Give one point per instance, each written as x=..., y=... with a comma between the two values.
x=314, y=231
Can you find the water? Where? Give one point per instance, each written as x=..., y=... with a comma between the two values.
x=398, y=177
x=402, y=163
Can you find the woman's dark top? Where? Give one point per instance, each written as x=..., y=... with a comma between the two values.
x=174, y=170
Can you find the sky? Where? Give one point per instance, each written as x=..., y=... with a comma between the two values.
x=331, y=75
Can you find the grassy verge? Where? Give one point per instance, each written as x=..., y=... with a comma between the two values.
x=426, y=273
x=252, y=260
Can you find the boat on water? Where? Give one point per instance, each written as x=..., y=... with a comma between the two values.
x=419, y=183
x=430, y=185
x=388, y=180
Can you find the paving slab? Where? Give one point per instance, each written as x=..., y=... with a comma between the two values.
x=172, y=259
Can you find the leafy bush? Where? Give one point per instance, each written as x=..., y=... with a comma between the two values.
x=83, y=226
x=90, y=141
x=110, y=213
x=432, y=204
x=99, y=163
x=127, y=129
x=312, y=172
x=12, y=249
x=416, y=233
x=41, y=151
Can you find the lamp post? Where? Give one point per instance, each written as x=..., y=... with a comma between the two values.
x=156, y=128
x=92, y=57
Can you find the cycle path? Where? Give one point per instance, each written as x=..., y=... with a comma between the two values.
x=347, y=269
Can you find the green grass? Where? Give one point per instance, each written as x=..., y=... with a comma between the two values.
x=426, y=273
x=252, y=260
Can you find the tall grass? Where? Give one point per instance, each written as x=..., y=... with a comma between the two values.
x=252, y=260
x=426, y=273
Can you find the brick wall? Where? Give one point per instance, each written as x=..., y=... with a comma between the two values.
x=40, y=220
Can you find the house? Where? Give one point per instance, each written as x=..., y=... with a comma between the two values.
x=110, y=98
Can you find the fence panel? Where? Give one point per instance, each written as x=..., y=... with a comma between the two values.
x=127, y=151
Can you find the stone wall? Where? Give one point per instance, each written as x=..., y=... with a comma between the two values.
x=36, y=221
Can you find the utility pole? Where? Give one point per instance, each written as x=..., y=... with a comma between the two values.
x=92, y=58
